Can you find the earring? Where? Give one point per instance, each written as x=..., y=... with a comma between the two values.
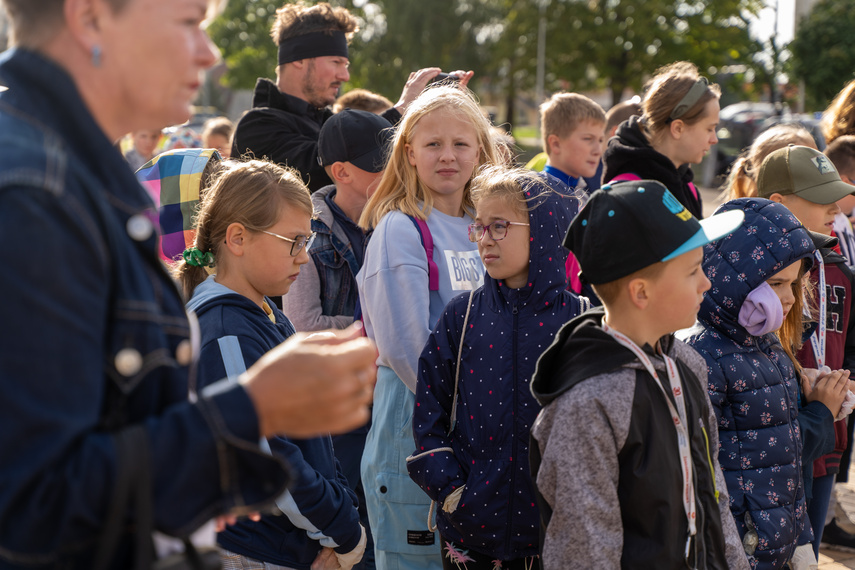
x=96, y=55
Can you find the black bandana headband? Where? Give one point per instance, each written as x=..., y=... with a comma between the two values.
x=316, y=44
x=691, y=98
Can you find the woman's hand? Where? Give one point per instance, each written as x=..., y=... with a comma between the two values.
x=830, y=389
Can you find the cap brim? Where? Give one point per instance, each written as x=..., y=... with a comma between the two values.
x=712, y=228
x=822, y=241
x=827, y=193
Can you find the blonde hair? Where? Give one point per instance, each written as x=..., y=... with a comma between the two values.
x=508, y=184
x=251, y=193
x=669, y=86
x=400, y=187
x=299, y=18
x=839, y=118
x=742, y=180
x=562, y=113
x=792, y=330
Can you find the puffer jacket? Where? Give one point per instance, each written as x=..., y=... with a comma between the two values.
x=508, y=329
x=752, y=383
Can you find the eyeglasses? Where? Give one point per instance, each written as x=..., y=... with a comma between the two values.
x=498, y=230
x=297, y=244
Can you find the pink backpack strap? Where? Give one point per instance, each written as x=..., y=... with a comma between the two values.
x=572, y=267
x=694, y=190
x=625, y=177
x=427, y=242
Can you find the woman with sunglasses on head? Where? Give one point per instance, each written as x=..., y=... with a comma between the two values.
x=676, y=129
x=98, y=438
x=253, y=232
x=474, y=407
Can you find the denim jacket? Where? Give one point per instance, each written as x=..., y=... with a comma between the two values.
x=324, y=295
x=94, y=337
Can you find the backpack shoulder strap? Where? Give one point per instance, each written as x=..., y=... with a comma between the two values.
x=427, y=242
x=626, y=176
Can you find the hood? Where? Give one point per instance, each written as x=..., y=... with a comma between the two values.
x=551, y=207
x=769, y=239
x=209, y=294
x=582, y=349
x=630, y=147
x=174, y=181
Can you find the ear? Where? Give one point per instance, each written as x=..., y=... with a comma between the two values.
x=677, y=128
x=638, y=292
x=236, y=235
x=84, y=20
x=553, y=144
x=411, y=155
x=776, y=197
x=340, y=172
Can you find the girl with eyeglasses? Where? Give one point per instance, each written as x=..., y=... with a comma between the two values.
x=252, y=235
x=404, y=285
x=676, y=129
x=474, y=406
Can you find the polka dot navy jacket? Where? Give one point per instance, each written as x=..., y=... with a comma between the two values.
x=506, y=333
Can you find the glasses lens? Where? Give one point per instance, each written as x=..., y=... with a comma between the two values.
x=476, y=231
x=300, y=242
x=310, y=241
x=498, y=230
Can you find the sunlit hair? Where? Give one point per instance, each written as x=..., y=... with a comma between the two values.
x=32, y=22
x=251, y=193
x=562, y=114
x=299, y=18
x=508, y=184
x=790, y=333
x=742, y=180
x=667, y=89
x=400, y=187
x=839, y=118
x=362, y=100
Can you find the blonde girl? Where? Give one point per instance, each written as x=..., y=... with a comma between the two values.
x=253, y=233
x=418, y=258
x=839, y=118
x=742, y=180
x=676, y=129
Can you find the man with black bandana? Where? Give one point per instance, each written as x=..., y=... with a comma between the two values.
x=286, y=118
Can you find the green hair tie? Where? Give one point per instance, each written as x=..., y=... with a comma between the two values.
x=196, y=258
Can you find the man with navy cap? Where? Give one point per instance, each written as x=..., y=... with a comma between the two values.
x=287, y=116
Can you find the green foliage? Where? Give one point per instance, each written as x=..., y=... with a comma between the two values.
x=823, y=53
x=242, y=33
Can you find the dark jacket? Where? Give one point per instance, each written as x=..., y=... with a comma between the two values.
x=94, y=338
x=752, y=383
x=319, y=509
x=284, y=129
x=839, y=348
x=629, y=152
x=507, y=329
x=606, y=460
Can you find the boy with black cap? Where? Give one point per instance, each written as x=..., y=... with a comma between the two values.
x=807, y=183
x=351, y=148
x=625, y=470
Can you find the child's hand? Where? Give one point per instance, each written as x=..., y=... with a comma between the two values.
x=830, y=389
x=326, y=560
x=222, y=521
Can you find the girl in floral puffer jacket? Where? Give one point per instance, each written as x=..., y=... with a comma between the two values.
x=750, y=322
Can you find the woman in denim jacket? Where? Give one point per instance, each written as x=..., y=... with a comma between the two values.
x=95, y=341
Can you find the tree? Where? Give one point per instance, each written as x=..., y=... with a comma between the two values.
x=823, y=53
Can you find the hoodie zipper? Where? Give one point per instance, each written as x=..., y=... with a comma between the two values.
x=515, y=312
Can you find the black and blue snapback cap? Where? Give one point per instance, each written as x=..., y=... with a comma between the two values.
x=626, y=226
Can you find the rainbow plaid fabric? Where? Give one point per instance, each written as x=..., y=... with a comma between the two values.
x=173, y=179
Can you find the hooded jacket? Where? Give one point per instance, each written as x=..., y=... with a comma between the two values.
x=752, y=383
x=319, y=509
x=497, y=514
x=284, y=129
x=630, y=152
x=606, y=461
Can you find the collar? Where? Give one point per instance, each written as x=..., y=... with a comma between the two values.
x=561, y=175
x=267, y=94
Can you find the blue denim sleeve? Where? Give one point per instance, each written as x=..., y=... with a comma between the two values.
x=57, y=284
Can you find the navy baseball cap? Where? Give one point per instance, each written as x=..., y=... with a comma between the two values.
x=358, y=137
x=627, y=226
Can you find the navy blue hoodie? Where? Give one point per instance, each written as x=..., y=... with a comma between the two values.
x=508, y=329
x=319, y=508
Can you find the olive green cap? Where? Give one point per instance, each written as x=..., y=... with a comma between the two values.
x=802, y=171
